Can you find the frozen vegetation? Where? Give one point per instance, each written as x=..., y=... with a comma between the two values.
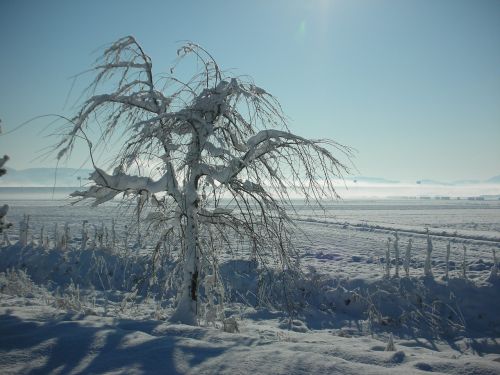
x=209, y=159
x=96, y=307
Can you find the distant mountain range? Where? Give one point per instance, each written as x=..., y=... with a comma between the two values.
x=494, y=180
x=380, y=180
x=372, y=180
x=71, y=177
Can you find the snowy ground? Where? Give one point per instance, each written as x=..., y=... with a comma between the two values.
x=59, y=324
x=39, y=339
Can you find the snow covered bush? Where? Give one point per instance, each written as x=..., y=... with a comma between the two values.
x=65, y=237
x=85, y=235
x=388, y=258
x=464, y=263
x=396, y=253
x=390, y=344
x=3, y=222
x=494, y=269
x=448, y=252
x=209, y=158
x=16, y=282
x=407, y=260
x=71, y=299
x=230, y=325
x=112, y=245
x=428, y=259
x=24, y=230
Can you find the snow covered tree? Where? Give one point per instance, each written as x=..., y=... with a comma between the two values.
x=211, y=156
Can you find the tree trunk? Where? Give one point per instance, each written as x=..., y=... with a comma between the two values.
x=186, y=311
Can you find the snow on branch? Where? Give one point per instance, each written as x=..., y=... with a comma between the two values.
x=108, y=186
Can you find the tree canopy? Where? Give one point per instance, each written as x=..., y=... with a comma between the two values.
x=210, y=156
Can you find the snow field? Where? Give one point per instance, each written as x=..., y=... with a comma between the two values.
x=42, y=339
x=90, y=311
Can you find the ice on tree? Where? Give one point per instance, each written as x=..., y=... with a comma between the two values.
x=192, y=143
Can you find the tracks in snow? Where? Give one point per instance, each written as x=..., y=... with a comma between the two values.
x=461, y=236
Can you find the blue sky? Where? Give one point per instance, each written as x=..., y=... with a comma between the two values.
x=414, y=86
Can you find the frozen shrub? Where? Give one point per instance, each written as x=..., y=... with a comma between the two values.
x=3, y=223
x=67, y=234
x=57, y=240
x=214, y=299
x=16, y=282
x=97, y=236
x=494, y=269
x=428, y=259
x=93, y=243
x=85, y=235
x=448, y=251
x=71, y=300
x=24, y=230
x=390, y=344
x=230, y=325
x=65, y=237
x=396, y=253
x=6, y=240
x=141, y=200
x=113, y=235
x=407, y=260
x=106, y=238
x=464, y=264
x=55, y=235
x=125, y=239
x=45, y=242
x=42, y=236
x=100, y=235
x=388, y=258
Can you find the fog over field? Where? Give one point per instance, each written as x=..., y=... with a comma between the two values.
x=57, y=181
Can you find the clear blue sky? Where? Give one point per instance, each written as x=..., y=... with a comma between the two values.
x=414, y=86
